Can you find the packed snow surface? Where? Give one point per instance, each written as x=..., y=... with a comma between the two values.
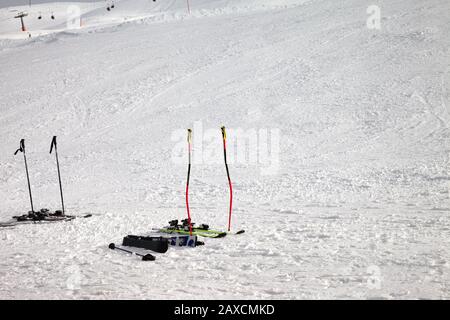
x=353, y=203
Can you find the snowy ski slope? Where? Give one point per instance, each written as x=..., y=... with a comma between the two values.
x=358, y=207
x=94, y=14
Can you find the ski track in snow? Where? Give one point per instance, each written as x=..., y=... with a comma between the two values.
x=358, y=209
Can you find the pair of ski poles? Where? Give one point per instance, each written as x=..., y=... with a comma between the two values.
x=53, y=145
x=189, y=140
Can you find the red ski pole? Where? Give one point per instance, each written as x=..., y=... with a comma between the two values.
x=224, y=135
x=189, y=139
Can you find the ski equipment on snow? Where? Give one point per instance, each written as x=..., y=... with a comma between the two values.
x=195, y=232
x=202, y=230
x=224, y=136
x=157, y=244
x=59, y=173
x=22, y=149
x=185, y=241
x=145, y=257
x=41, y=216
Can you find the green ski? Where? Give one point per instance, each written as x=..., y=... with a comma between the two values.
x=196, y=232
x=202, y=230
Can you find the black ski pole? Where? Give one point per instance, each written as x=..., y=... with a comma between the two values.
x=146, y=257
x=224, y=136
x=59, y=173
x=22, y=149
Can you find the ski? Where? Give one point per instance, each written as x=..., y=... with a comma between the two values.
x=42, y=216
x=195, y=232
x=220, y=232
x=203, y=230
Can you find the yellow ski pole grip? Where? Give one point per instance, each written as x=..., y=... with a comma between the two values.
x=224, y=134
x=189, y=137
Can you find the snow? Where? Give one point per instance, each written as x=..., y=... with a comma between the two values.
x=358, y=206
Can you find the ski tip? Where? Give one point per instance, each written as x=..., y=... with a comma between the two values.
x=112, y=246
x=148, y=257
x=220, y=235
x=240, y=232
